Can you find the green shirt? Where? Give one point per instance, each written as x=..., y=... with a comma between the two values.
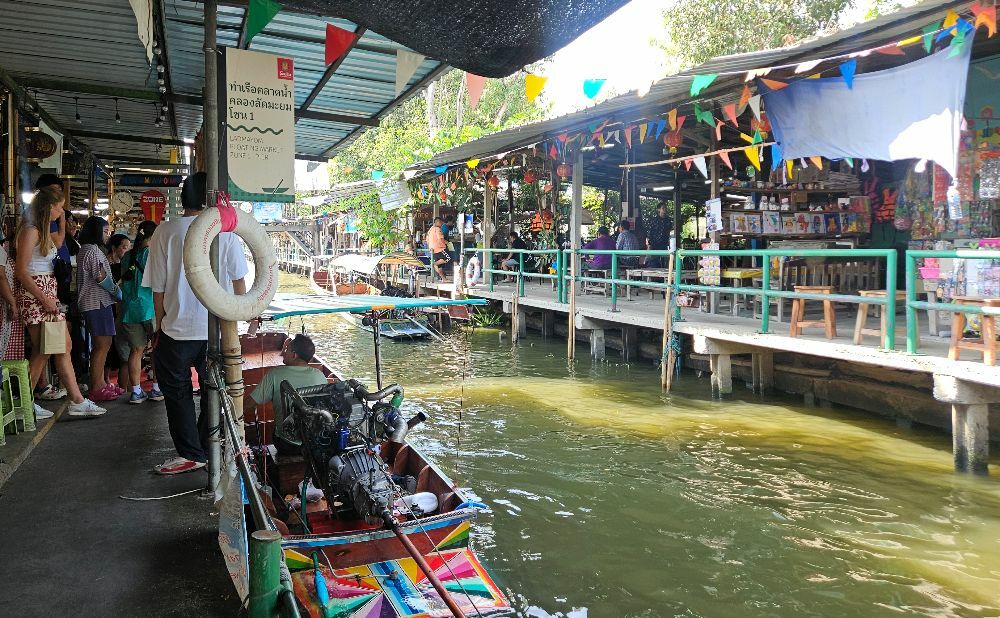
x=269, y=389
x=137, y=300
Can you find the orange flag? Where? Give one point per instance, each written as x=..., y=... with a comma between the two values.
x=628, y=136
x=730, y=112
x=745, y=97
x=774, y=84
x=718, y=130
x=725, y=159
x=985, y=16
x=672, y=119
x=817, y=161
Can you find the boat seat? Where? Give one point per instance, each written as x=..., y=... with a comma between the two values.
x=448, y=502
x=402, y=460
x=424, y=479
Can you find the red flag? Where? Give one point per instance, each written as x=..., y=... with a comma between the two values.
x=338, y=41
x=890, y=50
x=680, y=121
x=725, y=159
x=730, y=112
x=475, y=84
x=628, y=136
x=687, y=164
x=745, y=96
x=553, y=153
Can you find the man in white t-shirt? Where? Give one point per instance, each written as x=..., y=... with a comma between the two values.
x=182, y=326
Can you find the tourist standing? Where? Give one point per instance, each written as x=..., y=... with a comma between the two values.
x=438, y=247
x=33, y=268
x=659, y=236
x=96, y=296
x=137, y=313
x=181, y=321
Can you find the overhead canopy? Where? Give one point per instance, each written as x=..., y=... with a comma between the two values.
x=602, y=165
x=368, y=264
x=484, y=37
x=289, y=305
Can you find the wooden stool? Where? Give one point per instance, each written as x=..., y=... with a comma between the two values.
x=798, y=321
x=859, y=326
x=987, y=331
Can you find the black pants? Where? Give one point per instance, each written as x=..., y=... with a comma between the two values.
x=174, y=360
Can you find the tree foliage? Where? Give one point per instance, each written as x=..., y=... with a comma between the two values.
x=379, y=227
x=699, y=30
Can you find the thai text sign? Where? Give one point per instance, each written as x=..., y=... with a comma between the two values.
x=259, y=126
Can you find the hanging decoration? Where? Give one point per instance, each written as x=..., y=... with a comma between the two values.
x=472, y=164
x=259, y=15
x=754, y=155
x=672, y=119
x=703, y=116
x=725, y=159
x=564, y=170
x=847, y=71
x=928, y=35
x=533, y=85
x=591, y=87
x=407, y=63
x=775, y=157
x=754, y=103
x=378, y=174
x=730, y=113
x=702, y=165
x=530, y=177
x=700, y=82
x=642, y=132
x=338, y=42
x=440, y=169
x=744, y=98
x=475, y=84
x=985, y=16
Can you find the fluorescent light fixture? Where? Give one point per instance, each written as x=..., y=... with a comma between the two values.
x=609, y=145
x=708, y=182
x=81, y=212
x=103, y=200
x=741, y=198
x=26, y=197
x=101, y=207
x=588, y=148
x=666, y=188
x=86, y=201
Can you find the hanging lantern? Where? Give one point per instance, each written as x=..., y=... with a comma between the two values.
x=494, y=181
x=548, y=187
x=673, y=140
x=564, y=170
x=443, y=196
x=530, y=177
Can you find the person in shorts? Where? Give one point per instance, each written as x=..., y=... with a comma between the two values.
x=36, y=249
x=438, y=247
x=137, y=314
x=96, y=296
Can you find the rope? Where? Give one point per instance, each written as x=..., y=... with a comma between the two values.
x=183, y=493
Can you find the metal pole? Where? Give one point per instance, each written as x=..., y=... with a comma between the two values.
x=765, y=286
x=677, y=211
x=520, y=274
x=614, y=286
x=890, y=301
x=211, y=155
x=378, y=350
x=912, y=337
x=265, y=569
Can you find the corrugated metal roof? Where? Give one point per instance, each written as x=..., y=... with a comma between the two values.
x=674, y=90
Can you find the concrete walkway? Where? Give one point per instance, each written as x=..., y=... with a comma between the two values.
x=69, y=546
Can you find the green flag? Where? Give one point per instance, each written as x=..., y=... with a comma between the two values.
x=259, y=14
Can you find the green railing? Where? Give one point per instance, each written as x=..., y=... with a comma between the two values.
x=913, y=305
x=519, y=274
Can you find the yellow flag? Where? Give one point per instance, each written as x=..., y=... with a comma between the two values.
x=789, y=165
x=909, y=41
x=472, y=163
x=672, y=119
x=533, y=85
x=747, y=138
x=950, y=20
x=175, y=156
x=642, y=132
x=754, y=156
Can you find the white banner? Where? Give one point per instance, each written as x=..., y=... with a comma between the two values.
x=713, y=214
x=259, y=108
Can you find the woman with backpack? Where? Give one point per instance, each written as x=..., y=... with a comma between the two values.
x=137, y=312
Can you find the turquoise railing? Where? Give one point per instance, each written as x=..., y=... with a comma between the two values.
x=913, y=305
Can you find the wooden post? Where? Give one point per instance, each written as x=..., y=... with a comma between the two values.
x=630, y=344
x=515, y=330
x=667, y=355
x=571, y=327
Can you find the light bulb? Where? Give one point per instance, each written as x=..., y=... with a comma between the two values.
x=118, y=118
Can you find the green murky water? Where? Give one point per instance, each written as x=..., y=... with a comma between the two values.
x=609, y=499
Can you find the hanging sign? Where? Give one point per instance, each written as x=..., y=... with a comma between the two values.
x=268, y=212
x=258, y=104
x=713, y=214
x=153, y=204
x=149, y=180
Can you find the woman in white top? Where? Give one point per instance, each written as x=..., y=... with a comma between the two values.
x=33, y=269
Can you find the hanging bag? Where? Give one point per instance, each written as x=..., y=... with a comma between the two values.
x=53, y=339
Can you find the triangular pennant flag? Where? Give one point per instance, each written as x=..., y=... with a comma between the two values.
x=755, y=73
x=718, y=130
x=377, y=174
x=817, y=161
x=338, y=41
x=614, y=136
x=755, y=106
x=553, y=153
x=747, y=138
x=700, y=82
x=950, y=19
x=790, y=165
x=754, y=156
x=680, y=121
x=672, y=119
x=642, y=132
x=440, y=169
x=472, y=164
x=744, y=97
x=725, y=159
x=407, y=63
x=815, y=76
x=928, y=35
x=985, y=16
x=730, y=112
x=628, y=135
x=660, y=125
x=775, y=157
x=533, y=85
x=957, y=43
x=600, y=139
x=703, y=116
x=892, y=50
x=864, y=165
x=807, y=66
x=757, y=137
x=850, y=161
x=592, y=86
x=687, y=165
x=774, y=84
x=475, y=84
x=847, y=70
x=259, y=14
x=699, y=162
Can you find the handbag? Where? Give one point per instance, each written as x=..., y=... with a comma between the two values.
x=53, y=339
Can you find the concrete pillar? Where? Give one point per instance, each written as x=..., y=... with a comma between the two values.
x=763, y=371
x=521, y=323
x=630, y=344
x=970, y=427
x=548, y=324
x=722, y=374
x=970, y=435
x=597, y=343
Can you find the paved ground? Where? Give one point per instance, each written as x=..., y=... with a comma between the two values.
x=70, y=546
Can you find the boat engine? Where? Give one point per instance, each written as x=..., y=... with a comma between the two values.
x=342, y=426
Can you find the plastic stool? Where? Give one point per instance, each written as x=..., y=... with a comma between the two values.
x=7, y=417
x=21, y=401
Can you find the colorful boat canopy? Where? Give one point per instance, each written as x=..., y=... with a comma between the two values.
x=287, y=305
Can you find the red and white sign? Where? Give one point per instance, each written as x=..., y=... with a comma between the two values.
x=153, y=204
x=286, y=68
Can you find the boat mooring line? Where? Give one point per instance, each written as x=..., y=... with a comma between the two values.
x=17, y=461
x=183, y=493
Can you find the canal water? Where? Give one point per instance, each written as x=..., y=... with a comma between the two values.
x=609, y=499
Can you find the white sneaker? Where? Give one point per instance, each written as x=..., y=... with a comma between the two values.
x=41, y=413
x=85, y=409
x=51, y=393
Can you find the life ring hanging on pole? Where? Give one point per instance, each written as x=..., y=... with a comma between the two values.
x=198, y=265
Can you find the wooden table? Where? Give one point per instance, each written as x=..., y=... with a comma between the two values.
x=737, y=276
x=648, y=274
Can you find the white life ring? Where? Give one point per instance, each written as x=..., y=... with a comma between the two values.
x=198, y=266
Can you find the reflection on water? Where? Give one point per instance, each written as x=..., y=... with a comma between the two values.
x=609, y=499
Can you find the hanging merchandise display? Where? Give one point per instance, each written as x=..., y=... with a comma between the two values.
x=989, y=177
